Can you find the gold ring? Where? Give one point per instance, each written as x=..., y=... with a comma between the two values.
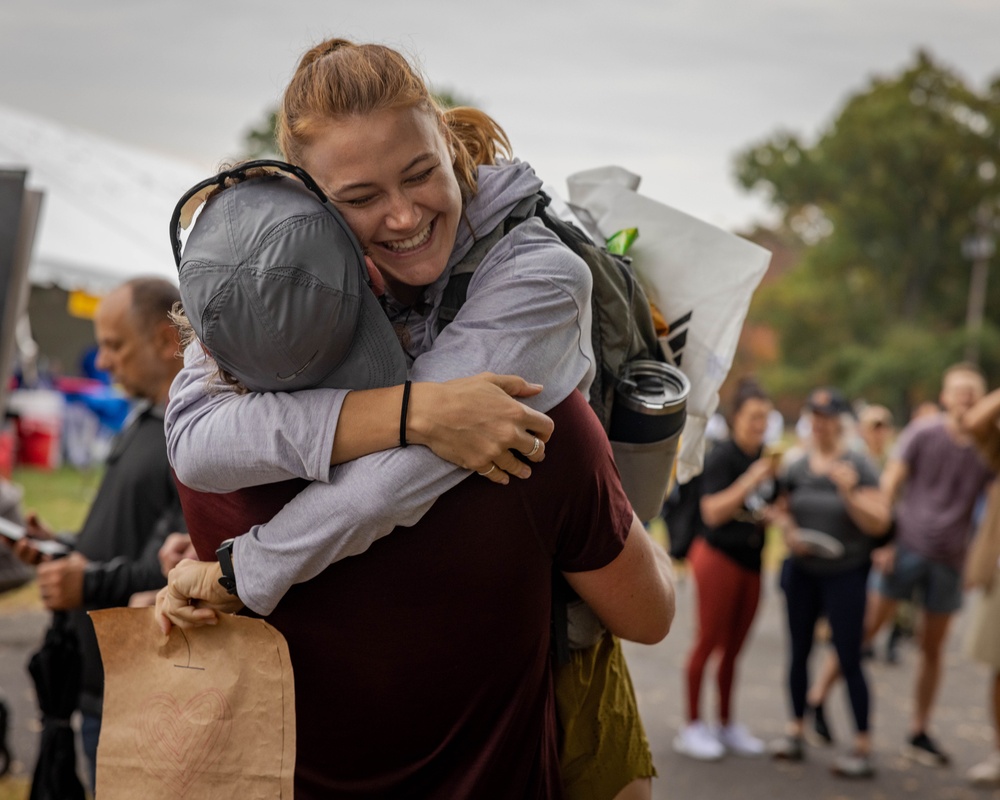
x=487, y=471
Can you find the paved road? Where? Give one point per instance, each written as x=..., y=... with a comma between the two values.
x=962, y=723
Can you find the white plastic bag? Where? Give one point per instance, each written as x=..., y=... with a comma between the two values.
x=701, y=277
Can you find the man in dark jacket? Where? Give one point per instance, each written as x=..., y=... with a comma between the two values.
x=115, y=552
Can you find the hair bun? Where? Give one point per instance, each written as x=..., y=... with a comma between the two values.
x=323, y=49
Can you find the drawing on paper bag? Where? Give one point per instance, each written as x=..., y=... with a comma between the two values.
x=178, y=742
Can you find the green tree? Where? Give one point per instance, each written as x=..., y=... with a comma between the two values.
x=883, y=198
x=259, y=140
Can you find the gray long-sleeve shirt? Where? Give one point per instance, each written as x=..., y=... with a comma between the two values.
x=527, y=312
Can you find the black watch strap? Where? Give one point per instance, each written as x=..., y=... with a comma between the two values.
x=225, y=556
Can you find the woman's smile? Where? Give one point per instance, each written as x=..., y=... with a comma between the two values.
x=411, y=244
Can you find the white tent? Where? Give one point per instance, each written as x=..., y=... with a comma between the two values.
x=106, y=205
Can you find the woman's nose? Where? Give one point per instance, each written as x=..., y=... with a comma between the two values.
x=402, y=213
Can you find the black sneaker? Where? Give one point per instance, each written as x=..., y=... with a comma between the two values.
x=924, y=750
x=820, y=726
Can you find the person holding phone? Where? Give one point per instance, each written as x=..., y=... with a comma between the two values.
x=115, y=553
x=738, y=487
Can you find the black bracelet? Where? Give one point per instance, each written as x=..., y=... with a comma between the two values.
x=402, y=414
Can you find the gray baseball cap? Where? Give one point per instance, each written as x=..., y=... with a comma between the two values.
x=276, y=288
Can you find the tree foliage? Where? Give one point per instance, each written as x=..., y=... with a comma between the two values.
x=883, y=200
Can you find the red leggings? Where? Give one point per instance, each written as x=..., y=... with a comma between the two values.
x=727, y=602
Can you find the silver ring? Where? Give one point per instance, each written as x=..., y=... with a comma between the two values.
x=487, y=471
x=534, y=449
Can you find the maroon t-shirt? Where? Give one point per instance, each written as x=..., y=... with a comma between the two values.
x=422, y=666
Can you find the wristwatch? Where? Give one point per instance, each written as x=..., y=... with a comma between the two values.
x=225, y=556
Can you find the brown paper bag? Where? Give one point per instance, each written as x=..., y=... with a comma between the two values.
x=202, y=713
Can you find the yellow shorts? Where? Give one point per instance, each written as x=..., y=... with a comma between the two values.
x=603, y=746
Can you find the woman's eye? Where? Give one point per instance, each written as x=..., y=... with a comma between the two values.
x=357, y=202
x=421, y=177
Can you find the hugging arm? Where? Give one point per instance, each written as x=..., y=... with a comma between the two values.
x=219, y=440
x=633, y=595
x=526, y=313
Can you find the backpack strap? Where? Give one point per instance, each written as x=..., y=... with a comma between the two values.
x=457, y=289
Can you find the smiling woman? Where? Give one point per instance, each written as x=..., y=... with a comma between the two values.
x=420, y=188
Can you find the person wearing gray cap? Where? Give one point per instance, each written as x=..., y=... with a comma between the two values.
x=267, y=266
x=420, y=187
x=831, y=511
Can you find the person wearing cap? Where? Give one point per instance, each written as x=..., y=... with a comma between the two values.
x=875, y=428
x=833, y=509
x=419, y=187
x=935, y=478
x=462, y=592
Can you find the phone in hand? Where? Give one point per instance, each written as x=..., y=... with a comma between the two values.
x=49, y=547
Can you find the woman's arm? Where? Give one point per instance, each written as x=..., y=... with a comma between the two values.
x=720, y=507
x=866, y=505
x=470, y=422
x=981, y=420
x=219, y=441
x=528, y=311
x=869, y=510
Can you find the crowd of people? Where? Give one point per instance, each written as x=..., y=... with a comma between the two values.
x=271, y=472
x=869, y=521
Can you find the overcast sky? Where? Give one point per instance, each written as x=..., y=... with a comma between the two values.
x=669, y=89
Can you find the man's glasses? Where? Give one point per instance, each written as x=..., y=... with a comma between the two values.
x=195, y=197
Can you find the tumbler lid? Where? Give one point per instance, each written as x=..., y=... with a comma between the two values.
x=653, y=387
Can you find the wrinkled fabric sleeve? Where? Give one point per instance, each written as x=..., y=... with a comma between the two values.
x=527, y=313
x=220, y=441
x=112, y=583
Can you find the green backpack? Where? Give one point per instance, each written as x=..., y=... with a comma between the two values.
x=622, y=328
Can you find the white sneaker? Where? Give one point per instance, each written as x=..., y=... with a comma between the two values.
x=986, y=773
x=736, y=739
x=697, y=741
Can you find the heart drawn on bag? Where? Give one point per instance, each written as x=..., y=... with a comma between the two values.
x=179, y=743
